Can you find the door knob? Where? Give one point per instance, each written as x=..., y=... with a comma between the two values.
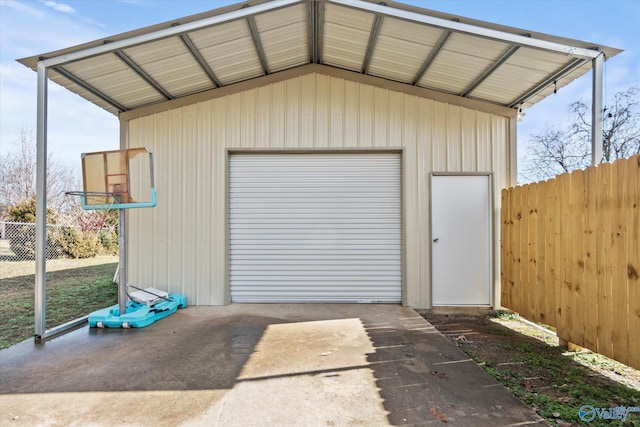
x=435, y=240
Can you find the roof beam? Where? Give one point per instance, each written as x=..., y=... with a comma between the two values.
x=188, y=43
x=311, y=31
x=560, y=73
x=143, y=74
x=89, y=88
x=319, y=31
x=432, y=55
x=316, y=19
x=167, y=32
x=490, y=70
x=255, y=36
x=488, y=33
x=371, y=45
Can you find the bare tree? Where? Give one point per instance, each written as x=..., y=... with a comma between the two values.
x=18, y=175
x=559, y=150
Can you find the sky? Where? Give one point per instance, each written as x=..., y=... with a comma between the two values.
x=75, y=125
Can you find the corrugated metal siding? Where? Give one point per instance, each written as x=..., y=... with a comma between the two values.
x=315, y=227
x=181, y=244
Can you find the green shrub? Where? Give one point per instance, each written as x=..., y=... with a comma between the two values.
x=25, y=211
x=109, y=242
x=78, y=244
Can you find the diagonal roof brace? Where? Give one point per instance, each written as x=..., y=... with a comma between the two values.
x=493, y=67
x=188, y=43
x=255, y=36
x=432, y=55
x=560, y=73
x=143, y=74
x=371, y=44
x=89, y=88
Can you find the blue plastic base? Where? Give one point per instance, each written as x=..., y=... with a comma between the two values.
x=137, y=315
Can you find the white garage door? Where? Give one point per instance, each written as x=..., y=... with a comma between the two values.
x=315, y=227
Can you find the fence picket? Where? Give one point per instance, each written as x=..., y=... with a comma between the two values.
x=633, y=267
x=619, y=260
x=540, y=301
x=517, y=199
x=563, y=328
x=575, y=276
x=523, y=245
x=603, y=242
x=532, y=252
x=550, y=252
x=506, y=251
x=590, y=284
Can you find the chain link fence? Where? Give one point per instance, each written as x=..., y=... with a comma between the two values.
x=18, y=242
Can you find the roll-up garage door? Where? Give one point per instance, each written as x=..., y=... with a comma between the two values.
x=315, y=227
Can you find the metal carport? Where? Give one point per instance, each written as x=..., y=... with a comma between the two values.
x=490, y=63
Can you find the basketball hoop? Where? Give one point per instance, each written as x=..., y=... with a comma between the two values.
x=87, y=198
x=120, y=179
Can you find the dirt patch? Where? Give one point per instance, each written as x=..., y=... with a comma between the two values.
x=553, y=381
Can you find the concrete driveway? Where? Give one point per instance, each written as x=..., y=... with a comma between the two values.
x=256, y=365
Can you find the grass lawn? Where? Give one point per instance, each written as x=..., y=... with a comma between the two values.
x=75, y=287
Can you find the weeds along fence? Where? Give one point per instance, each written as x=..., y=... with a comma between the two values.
x=571, y=256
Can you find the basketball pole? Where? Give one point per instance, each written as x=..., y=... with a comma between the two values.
x=122, y=243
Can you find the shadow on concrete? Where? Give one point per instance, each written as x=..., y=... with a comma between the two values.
x=424, y=379
x=168, y=355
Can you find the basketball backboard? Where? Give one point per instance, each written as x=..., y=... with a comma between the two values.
x=118, y=179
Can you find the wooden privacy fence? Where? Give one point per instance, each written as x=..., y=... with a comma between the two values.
x=571, y=256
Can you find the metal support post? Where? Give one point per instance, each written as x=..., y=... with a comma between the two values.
x=596, y=110
x=41, y=204
x=122, y=247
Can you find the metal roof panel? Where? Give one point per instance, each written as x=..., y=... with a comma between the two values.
x=284, y=37
x=346, y=34
x=234, y=60
x=80, y=91
x=401, y=49
x=111, y=76
x=170, y=64
x=344, y=47
x=453, y=71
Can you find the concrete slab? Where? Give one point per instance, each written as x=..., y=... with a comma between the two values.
x=250, y=365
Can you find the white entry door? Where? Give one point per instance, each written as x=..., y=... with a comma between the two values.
x=461, y=240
